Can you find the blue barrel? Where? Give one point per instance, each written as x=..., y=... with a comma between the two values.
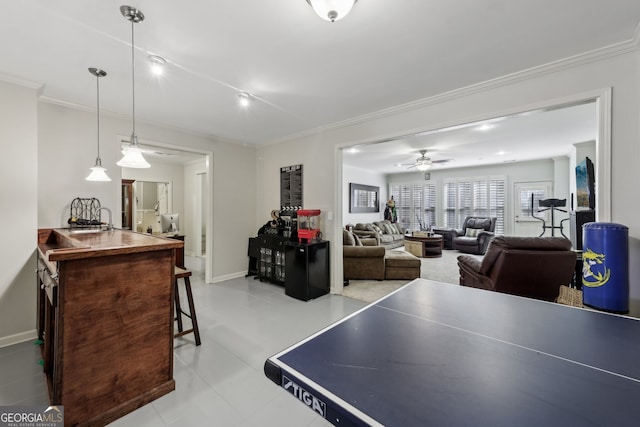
x=605, y=266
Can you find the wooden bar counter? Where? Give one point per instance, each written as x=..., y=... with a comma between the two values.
x=105, y=315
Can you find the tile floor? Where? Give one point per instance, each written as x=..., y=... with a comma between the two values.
x=221, y=383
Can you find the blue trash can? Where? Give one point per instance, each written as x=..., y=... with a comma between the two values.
x=605, y=266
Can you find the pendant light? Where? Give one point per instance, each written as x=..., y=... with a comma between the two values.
x=98, y=173
x=132, y=154
x=332, y=10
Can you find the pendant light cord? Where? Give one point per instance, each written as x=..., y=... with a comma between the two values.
x=133, y=86
x=98, y=109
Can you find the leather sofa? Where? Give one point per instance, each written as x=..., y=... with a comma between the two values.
x=473, y=237
x=387, y=234
x=532, y=267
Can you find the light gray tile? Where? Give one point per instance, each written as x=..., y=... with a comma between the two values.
x=242, y=322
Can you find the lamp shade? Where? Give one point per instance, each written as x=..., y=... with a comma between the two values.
x=98, y=173
x=332, y=10
x=132, y=158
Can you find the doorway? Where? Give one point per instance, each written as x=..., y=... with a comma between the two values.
x=189, y=173
x=523, y=223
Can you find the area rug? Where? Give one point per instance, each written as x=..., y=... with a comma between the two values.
x=371, y=290
x=441, y=269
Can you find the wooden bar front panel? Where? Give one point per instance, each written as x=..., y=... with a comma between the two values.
x=109, y=328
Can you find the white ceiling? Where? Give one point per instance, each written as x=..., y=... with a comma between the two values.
x=305, y=72
x=533, y=135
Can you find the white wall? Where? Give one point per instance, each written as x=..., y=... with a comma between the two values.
x=18, y=193
x=364, y=177
x=572, y=79
x=191, y=172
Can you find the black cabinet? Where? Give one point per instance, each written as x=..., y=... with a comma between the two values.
x=578, y=219
x=270, y=257
x=254, y=253
x=307, y=269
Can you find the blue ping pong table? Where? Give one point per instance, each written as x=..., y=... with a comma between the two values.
x=441, y=354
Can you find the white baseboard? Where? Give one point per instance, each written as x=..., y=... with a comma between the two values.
x=18, y=338
x=229, y=276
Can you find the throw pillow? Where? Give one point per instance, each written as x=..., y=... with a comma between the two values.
x=387, y=228
x=472, y=232
x=348, y=238
x=396, y=229
x=357, y=239
x=377, y=229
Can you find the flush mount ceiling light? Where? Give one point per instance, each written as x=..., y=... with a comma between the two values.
x=157, y=64
x=132, y=155
x=98, y=173
x=332, y=10
x=244, y=99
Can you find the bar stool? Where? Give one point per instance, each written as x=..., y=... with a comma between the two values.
x=181, y=273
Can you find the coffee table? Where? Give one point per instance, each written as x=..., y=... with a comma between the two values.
x=424, y=247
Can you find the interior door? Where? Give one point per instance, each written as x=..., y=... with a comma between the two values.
x=524, y=224
x=127, y=204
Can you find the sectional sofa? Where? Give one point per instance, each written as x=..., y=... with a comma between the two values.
x=387, y=234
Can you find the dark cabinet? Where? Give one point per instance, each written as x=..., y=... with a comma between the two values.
x=254, y=253
x=307, y=269
x=578, y=219
x=270, y=257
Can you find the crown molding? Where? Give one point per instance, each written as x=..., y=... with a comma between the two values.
x=21, y=82
x=617, y=49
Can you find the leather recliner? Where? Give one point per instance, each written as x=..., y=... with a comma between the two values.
x=475, y=235
x=533, y=267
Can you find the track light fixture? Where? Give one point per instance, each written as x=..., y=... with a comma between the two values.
x=157, y=64
x=244, y=99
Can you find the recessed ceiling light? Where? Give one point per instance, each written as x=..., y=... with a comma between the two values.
x=485, y=127
x=353, y=150
x=501, y=153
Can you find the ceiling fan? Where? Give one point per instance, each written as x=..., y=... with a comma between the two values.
x=423, y=162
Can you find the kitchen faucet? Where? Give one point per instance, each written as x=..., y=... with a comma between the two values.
x=110, y=224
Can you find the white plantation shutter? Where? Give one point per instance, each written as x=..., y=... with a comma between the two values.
x=450, y=204
x=496, y=202
x=429, y=205
x=415, y=204
x=465, y=201
x=475, y=197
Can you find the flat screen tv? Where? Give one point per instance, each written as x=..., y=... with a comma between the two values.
x=585, y=185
